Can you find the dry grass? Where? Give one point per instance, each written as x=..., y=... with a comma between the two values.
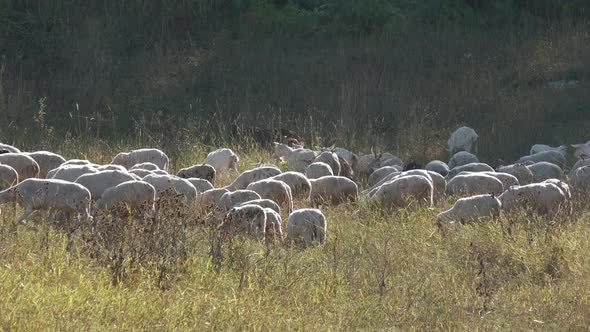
x=377, y=271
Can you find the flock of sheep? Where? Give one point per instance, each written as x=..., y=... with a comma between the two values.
x=251, y=204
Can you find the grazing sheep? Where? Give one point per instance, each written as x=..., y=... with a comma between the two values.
x=316, y=170
x=507, y=179
x=471, y=167
x=169, y=186
x=110, y=167
x=372, y=190
x=299, y=183
x=582, y=150
x=25, y=166
x=380, y=173
x=345, y=168
x=138, y=195
x=142, y=173
x=231, y=199
x=462, y=158
x=274, y=231
x=367, y=164
x=253, y=175
x=474, y=184
x=200, y=184
x=46, y=161
x=345, y=154
x=405, y=191
x=49, y=194
x=275, y=190
x=9, y=148
x=265, y=203
x=145, y=166
x=98, y=182
x=520, y=171
x=542, y=147
x=544, y=198
x=223, y=161
x=331, y=159
x=439, y=185
x=129, y=159
x=8, y=177
x=333, y=189
x=247, y=220
x=202, y=171
x=77, y=162
x=578, y=164
x=463, y=139
x=70, y=172
x=387, y=159
x=297, y=159
x=554, y=157
x=471, y=208
x=543, y=170
x=580, y=179
x=211, y=198
x=564, y=188
x=307, y=226
x=438, y=166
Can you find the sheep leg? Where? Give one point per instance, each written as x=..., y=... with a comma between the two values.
x=28, y=213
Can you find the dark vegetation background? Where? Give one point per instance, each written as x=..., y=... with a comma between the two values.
x=397, y=75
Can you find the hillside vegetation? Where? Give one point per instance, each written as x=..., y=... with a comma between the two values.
x=382, y=74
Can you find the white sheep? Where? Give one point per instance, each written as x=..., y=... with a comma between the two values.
x=580, y=178
x=405, y=191
x=372, y=190
x=471, y=167
x=463, y=139
x=299, y=183
x=70, y=172
x=554, y=157
x=9, y=148
x=345, y=154
x=520, y=171
x=148, y=166
x=438, y=166
x=331, y=159
x=387, y=159
x=201, y=185
x=578, y=164
x=439, y=185
x=317, y=170
x=543, y=170
x=253, y=175
x=111, y=167
x=275, y=190
x=142, y=173
x=474, y=184
x=211, y=198
x=265, y=203
x=46, y=161
x=98, y=182
x=366, y=164
x=297, y=159
x=507, y=179
x=8, y=177
x=129, y=159
x=201, y=171
x=582, y=151
x=138, y=195
x=231, y=199
x=223, y=160
x=462, y=158
x=542, y=147
x=77, y=162
x=333, y=189
x=545, y=198
x=247, y=220
x=471, y=208
x=274, y=231
x=168, y=186
x=49, y=194
x=307, y=226
x=25, y=166
x=380, y=173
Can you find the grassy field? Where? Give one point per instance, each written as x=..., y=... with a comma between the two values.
x=377, y=271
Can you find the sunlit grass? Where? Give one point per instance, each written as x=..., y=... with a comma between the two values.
x=378, y=270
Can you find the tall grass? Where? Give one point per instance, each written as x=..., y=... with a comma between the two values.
x=378, y=270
